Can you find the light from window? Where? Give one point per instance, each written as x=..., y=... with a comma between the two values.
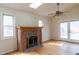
x=8, y=25
x=63, y=30
x=40, y=23
x=74, y=30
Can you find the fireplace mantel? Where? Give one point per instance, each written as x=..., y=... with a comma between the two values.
x=28, y=37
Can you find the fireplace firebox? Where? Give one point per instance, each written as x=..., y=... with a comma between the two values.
x=28, y=37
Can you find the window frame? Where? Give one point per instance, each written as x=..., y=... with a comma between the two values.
x=60, y=30
x=68, y=29
x=40, y=23
x=2, y=25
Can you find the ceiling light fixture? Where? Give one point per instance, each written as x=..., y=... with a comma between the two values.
x=35, y=5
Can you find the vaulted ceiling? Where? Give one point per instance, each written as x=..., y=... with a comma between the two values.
x=44, y=9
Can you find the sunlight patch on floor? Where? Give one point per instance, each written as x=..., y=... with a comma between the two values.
x=55, y=44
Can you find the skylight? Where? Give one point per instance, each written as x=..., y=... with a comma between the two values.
x=35, y=5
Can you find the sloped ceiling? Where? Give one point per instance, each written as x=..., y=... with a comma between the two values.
x=44, y=9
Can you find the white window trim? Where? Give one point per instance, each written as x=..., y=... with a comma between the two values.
x=14, y=33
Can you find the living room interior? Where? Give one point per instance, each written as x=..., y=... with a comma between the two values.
x=39, y=29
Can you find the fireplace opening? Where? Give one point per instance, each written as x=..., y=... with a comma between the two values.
x=32, y=41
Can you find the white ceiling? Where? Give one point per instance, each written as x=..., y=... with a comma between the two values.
x=44, y=9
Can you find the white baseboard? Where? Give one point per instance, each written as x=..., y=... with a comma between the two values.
x=4, y=52
x=67, y=40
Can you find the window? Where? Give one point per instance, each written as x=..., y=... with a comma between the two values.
x=8, y=26
x=63, y=30
x=69, y=30
x=40, y=23
x=74, y=30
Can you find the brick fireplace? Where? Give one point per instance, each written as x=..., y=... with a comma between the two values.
x=28, y=37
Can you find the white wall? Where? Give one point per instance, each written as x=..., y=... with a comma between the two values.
x=72, y=15
x=26, y=19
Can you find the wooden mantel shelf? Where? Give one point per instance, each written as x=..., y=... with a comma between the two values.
x=19, y=27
